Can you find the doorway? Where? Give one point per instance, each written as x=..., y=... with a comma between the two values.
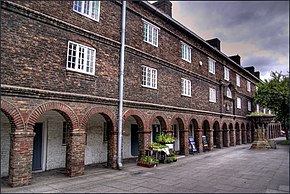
x=37, y=148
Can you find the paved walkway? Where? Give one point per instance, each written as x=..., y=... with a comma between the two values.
x=229, y=170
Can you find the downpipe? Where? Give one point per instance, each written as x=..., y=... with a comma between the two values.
x=120, y=118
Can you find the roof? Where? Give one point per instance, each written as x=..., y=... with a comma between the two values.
x=175, y=22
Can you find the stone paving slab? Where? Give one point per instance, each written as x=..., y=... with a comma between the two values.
x=230, y=170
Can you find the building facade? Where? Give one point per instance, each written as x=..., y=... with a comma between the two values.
x=60, y=77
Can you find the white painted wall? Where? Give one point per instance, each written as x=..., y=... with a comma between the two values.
x=54, y=152
x=5, y=144
x=96, y=148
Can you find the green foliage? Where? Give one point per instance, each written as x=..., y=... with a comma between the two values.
x=156, y=145
x=164, y=138
x=286, y=142
x=149, y=160
x=274, y=94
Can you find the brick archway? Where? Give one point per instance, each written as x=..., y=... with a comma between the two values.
x=140, y=118
x=110, y=118
x=106, y=113
x=182, y=134
x=143, y=132
x=14, y=116
x=162, y=119
x=63, y=109
x=217, y=135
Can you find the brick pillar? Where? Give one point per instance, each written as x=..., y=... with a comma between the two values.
x=238, y=137
x=232, y=137
x=112, y=149
x=244, y=136
x=75, y=154
x=210, y=138
x=219, y=139
x=249, y=136
x=144, y=142
x=226, y=137
x=20, y=162
x=183, y=135
x=199, y=140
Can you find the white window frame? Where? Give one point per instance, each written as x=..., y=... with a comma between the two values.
x=238, y=80
x=149, y=77
x=229, y=93
x=239, y=103
x=249, y=106
x=257, y=108
x=226, y=73
x=150, y=33
x=248, y=86
x=212, y=95
x=88, y=9
x=185, y=52
x=186, y=87
x=211, y=65
x=264, y=111
x=82, y=53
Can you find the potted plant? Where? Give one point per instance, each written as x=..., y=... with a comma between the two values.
x=148, y=161
x=165, y=139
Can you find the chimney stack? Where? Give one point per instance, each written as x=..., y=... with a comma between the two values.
x=236, y=58
x=165, y=6
x=215, y=42
x=251, y=69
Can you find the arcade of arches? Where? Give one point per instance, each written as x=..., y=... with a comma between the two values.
x=55, y=134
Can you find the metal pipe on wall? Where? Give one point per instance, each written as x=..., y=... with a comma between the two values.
x=121, y=80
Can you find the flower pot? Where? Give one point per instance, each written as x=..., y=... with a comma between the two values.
x=146, y=165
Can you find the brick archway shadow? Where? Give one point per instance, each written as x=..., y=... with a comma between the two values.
x=14, y=116
x=61, y=108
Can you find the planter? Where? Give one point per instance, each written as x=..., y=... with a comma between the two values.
x=169, y=145
x=146, y=165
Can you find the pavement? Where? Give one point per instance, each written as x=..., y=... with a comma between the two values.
x=235, y=169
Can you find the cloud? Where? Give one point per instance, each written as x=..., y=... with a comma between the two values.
x=256, y=30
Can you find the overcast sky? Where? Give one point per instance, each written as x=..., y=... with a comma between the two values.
x=256, y=30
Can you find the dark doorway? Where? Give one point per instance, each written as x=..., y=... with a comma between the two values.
x=37, y=147
x=156, y=131
x=134, y=140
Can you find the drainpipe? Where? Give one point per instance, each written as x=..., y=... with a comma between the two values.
x=120, y=119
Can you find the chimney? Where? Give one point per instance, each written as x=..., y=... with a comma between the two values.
x=165, y=6
x=251, y=69
x=236, y=58
x=215, y=42
x=257, y=74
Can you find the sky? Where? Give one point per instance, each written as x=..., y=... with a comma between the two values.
x=258, y=31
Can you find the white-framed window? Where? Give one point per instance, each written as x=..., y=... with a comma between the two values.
x=151, y=33
x=186, y=52
x=257, y=108
x=270, y=112
x=249, y=106
x=212, y=95
x=239, y=103
x=248, y=86
x=81, y=58
x=89, y=9
x=238, y=80
x=264, y=111
x=186, y=87
x=211, y=65
x=226, y=73
x=229, y=92
x=149, y=76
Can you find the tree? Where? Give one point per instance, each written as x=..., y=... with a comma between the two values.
x=274, y=94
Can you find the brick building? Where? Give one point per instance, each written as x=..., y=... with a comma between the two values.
x=60, y=77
